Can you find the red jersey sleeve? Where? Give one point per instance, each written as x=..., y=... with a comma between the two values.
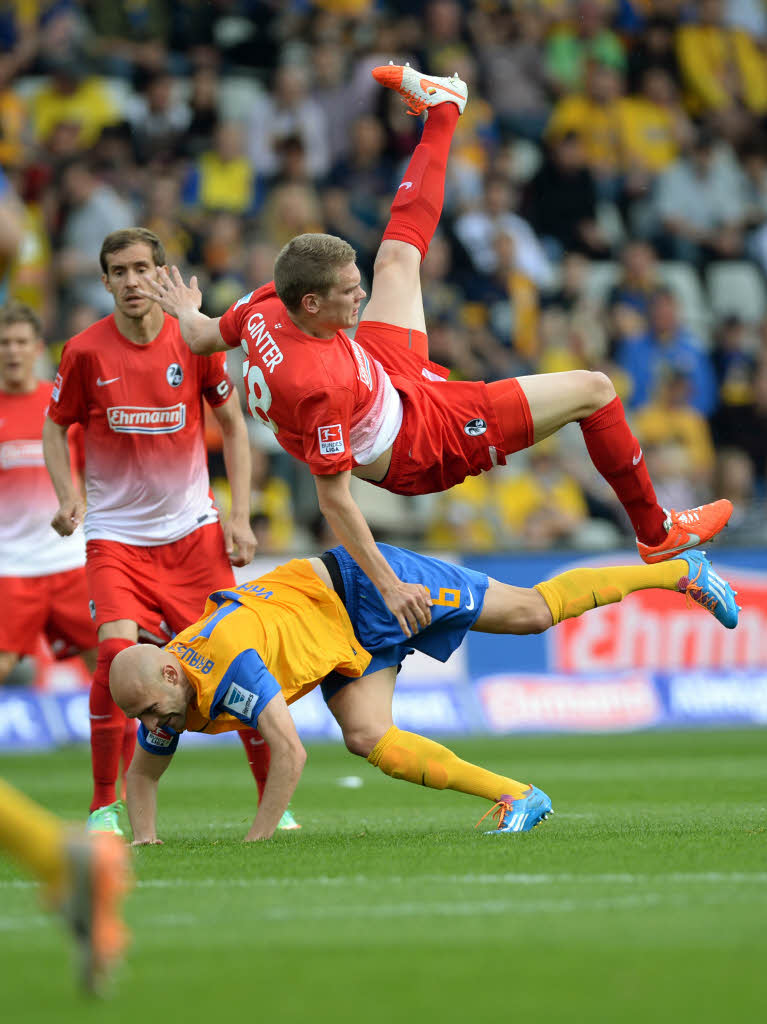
x=216, y=383
x=68, y=399
x=230, y=324
x=325, y=418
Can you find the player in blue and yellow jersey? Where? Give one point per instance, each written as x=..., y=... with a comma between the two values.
x=320, y=621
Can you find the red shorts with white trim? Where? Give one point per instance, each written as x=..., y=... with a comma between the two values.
x=449, y=428
x=55, y=606
x=162, y=588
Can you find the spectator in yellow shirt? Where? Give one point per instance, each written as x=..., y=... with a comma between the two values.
x=223, y=177
x=544, y=505
x=72, y=97
x=724, y=71
x=654, y=127
x=13, y=117
x=595, y=116
x=670, y=419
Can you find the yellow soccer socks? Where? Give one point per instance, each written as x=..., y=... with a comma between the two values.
x=579, y=590
x=413, y=758
x=31, y=835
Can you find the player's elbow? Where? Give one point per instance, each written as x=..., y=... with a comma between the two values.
x=293, y=758
x=300, y=756
x=51, y=431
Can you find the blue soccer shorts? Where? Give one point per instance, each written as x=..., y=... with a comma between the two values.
x=458, y=595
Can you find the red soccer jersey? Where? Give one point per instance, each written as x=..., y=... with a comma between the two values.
x=146, y=470
x=29, y=546
x=329, y=403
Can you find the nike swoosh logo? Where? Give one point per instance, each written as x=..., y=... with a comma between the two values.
x=691, y=543
x=405, y=184
x=638, y=459
x=100, y=383
x=470, y=605
x=426, y=85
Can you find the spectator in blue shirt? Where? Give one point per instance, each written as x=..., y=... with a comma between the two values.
x=667, y=346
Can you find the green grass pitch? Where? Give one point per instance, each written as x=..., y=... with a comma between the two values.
x=643, y=899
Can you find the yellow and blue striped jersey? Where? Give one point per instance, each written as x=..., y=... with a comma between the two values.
x=284, y=631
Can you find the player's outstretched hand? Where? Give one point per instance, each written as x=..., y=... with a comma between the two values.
x=240, y=541
x=68, y=517
x=168, y=289
x=410, y=604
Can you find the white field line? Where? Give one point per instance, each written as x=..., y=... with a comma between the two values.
x=510, y=878
x=443, y=908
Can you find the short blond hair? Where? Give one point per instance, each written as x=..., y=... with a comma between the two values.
x=18, y=313
x=310, y=263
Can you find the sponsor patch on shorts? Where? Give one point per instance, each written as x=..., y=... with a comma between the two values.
x=331, y=439
x=240, y=702
x=475, y=427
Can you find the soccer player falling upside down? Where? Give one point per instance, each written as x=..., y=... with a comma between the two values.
x=377, y=407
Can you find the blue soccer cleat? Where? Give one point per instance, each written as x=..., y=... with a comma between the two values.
x=710, y=591
x=520, y=815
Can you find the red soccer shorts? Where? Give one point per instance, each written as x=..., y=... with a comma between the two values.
x=450, y=429
x=55, y=605
x=166, y=584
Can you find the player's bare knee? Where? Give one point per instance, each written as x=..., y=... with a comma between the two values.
x=601, y=388
x=396, y=258
x=538, y=614
x=360, y=741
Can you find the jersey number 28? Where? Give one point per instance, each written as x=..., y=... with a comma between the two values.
x=259, y=395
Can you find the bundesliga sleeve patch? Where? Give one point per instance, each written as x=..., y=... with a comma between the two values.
x=331, y=439
x=161, y=741
x=159, y=738
x=239, y=702
x=57, y=384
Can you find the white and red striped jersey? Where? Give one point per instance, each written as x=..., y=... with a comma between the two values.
x=29, y=546
x=146, y=471
x=329, y=403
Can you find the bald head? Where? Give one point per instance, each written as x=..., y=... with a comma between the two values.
x=148, y=683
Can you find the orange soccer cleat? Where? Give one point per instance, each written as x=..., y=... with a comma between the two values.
x=687, y=530
x=421, y=91
x=98, y=877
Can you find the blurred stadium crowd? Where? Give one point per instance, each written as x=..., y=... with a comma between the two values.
x=606, y=208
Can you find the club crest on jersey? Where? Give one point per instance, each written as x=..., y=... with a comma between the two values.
x=331, y=439
x=174, y=375
x=138, y=419
x=475, y=427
